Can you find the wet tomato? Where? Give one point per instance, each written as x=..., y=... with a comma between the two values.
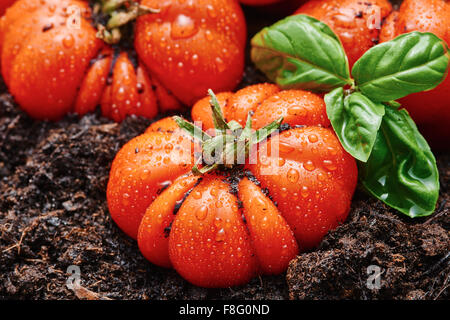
x=217, y=224
x=53, y=61
x=356, y=22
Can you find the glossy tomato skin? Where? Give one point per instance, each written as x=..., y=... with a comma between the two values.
x=357, y=23
x=45, y=88
x=312, y=184
x=272, y=238
x=294, y=106
x=164, y=125
x=209, y=243
x=430, y=110
x=53, y=68
x=193, y=46
x=225, y=227
x=202, y=109
x=153, y=236
x=311, y=156
x=246, y=100
x=140, y=171
x=266, y=103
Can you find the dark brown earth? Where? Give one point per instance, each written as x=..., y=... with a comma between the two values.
x=413, y=256
x=53, y=214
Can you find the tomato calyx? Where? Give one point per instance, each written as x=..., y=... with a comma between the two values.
x=118, y=14
x=230, y=144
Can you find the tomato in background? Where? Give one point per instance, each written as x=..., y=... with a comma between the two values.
x=52, y=67
x=356, y=22
x=431, y=109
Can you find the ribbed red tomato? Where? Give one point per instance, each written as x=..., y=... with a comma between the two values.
x=223, y=227
x=53, y=63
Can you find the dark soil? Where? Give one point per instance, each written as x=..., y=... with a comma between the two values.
x=53, y=214
x=413, y=256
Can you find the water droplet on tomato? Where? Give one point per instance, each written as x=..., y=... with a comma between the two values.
x=121, y=94
x=292, y=175
x=321, y=177
x=51, y=8
x=183, y=27
x=332, y=150
x=313, y=138
x=329, y=165
x=68, y=41
x=309, y=165
x=220, y=65
x=345, y=18
x=285, y=148
x=196, y=194
x=219, y=204
x=218, y=222
x=209, y=35
x=201, y=213
x=211, y=11
x=220, y=236
x=260, y=203
x=194, y=59
x=304, y=192
x=168, y=147
x=146, y=174
x=164, y=184
x=126, y=200
x=295, y=111
x=15, y=49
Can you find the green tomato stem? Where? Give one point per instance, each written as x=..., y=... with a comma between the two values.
x=231, y=142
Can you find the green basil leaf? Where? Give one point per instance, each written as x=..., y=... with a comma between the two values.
x=356, y=120
x=303, y=53
x=401, y=170
x=410, y=63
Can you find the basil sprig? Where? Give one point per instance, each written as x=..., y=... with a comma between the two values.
x=402, y=170
x=395, y=162
x=410, y=63
x=301, y=50
x=356, y=120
